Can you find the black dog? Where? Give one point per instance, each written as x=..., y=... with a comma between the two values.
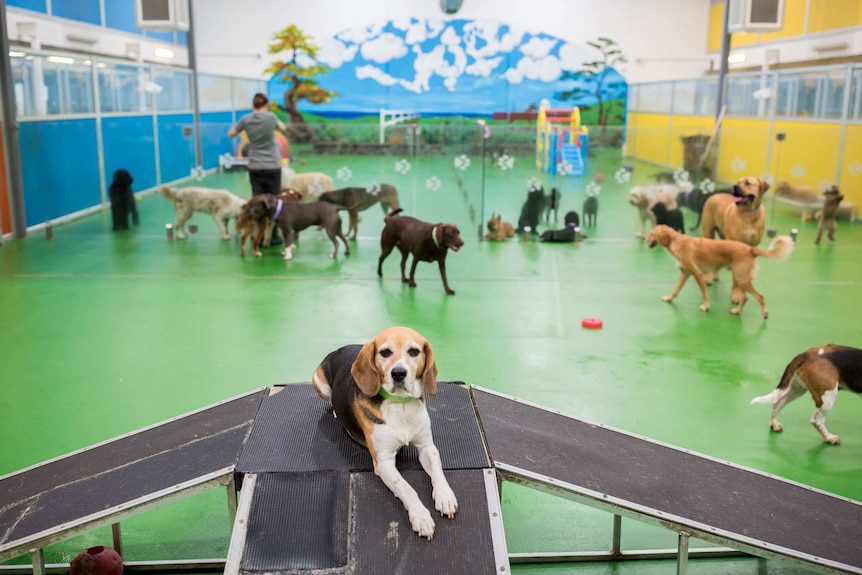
x=567, y=234
x=695, y=199
x=122, y=201
x=591, y=210
x=670, y=218
x=532, y=210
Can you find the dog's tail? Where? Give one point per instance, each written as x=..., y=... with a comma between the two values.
x=779, y=250
x=786, y=378
x=168, y=192
x=392, y=214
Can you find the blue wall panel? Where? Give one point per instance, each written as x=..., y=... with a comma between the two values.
x=214, y=140
x=61, y=168
x=120, y=15
x=130, y=144
x=176, y=151
x=82, y=10
x=163, y=36
x=35, y=5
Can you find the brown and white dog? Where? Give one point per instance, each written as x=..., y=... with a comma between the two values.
x=699, y=256
x=738, y=216
x=821, y=371
x=645, y=197
x=377, y=392
x=262, y=228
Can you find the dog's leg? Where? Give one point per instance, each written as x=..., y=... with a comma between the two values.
x=332, y=237
x=353, y=226
x=219, y=222
x=412, y=281
x=782, y=397
x=288, y=234
x=404, y=254
x=442, y=264
x=698, y=277
x=343, y=239
x=824, y=404
x=445, y=501
x=179, y=224
x=683, y=276
x=262, y=233
x=386, y=249
x=757, y=295
x=420, y=518
x=819, y=232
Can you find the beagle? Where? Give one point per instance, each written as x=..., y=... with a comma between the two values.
x=377, y=391
x=821, y=370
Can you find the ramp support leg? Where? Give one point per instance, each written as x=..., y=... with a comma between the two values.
x=118, y=538
x=38, y=558
x=616, y=549
x=231, y=499
x=682, y=554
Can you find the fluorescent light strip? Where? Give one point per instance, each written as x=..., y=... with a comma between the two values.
x=163, y=53
x=61, y=60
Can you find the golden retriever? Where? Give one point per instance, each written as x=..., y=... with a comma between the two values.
x=220, y=204
x=698, y=256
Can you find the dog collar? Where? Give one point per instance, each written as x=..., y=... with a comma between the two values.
x=278, y=207
x=434, y=236
x=397, y=398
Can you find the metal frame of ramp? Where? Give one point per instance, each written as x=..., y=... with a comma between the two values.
x=659, y=484
x=112, y=481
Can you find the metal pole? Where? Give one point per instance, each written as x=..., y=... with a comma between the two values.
x=10, y=124
x=193, y=66
x=725, y=52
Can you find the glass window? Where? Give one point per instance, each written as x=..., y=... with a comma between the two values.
x=123, y=88
x=214, y=93
x=855, y=112
x=244, y=91
x=742, y=97
x=175, y=93
x=68, y=85
x=655, y=97
x=22, y=84
x=831, y=95
x=695, y=97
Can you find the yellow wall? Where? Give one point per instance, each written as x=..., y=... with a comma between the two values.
x=716, y=24
x=742, y=149
x=794, y=21
x=851, y=166
x=650, y=137
x=810, y=147
x=834, y=14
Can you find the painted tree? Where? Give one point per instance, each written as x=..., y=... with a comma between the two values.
x=595, y=72
x=298, y=70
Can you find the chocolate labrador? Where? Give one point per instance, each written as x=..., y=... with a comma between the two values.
x=427, y=242
x=293, y=217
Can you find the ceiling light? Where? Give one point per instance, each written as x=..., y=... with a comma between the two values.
x=61, y=60
x=16, y=54
x=163, y=53
x=736, y=59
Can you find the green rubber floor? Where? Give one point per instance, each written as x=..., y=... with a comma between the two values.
x=104, y=333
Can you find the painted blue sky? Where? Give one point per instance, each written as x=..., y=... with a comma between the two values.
x=450, y=67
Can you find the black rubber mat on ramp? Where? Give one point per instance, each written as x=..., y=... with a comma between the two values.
x=296, y=432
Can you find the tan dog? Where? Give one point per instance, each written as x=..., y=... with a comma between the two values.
x=645, y=197
x=738, y=216
x=498, y=230
x=802, y=194
x=377, y=392
x=826, y=216
x=308, y=185
x=222, y=205
x=821, y=371
x=698, y=256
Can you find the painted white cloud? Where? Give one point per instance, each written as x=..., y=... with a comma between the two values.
x=375, y=73
x=384, y=48
x=487, y=32
x=450, y=37
x=334, y=53
x=538, y=48
x=303, y=60
x=437, y=61
x=546, y=69
x=361, y=34
x=483, y=67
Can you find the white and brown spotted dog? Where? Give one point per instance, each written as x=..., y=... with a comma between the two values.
x=822, y=371
x=377, y=392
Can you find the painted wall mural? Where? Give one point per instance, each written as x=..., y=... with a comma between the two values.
x=437, y=67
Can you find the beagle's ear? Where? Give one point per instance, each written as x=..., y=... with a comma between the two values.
x=429, y=376
x=764, y=186
x=364, y=370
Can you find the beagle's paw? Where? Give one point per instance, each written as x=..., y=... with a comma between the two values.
x=445, y=501
x=421, y=522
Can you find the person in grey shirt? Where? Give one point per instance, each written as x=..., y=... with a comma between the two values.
x=264, y=153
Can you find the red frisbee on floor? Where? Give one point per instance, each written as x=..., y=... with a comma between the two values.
x=591, y=323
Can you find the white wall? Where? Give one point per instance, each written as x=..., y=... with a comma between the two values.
x=662, y=39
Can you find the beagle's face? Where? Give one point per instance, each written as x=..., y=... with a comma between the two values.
x=748, y=191
x=399, y=360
